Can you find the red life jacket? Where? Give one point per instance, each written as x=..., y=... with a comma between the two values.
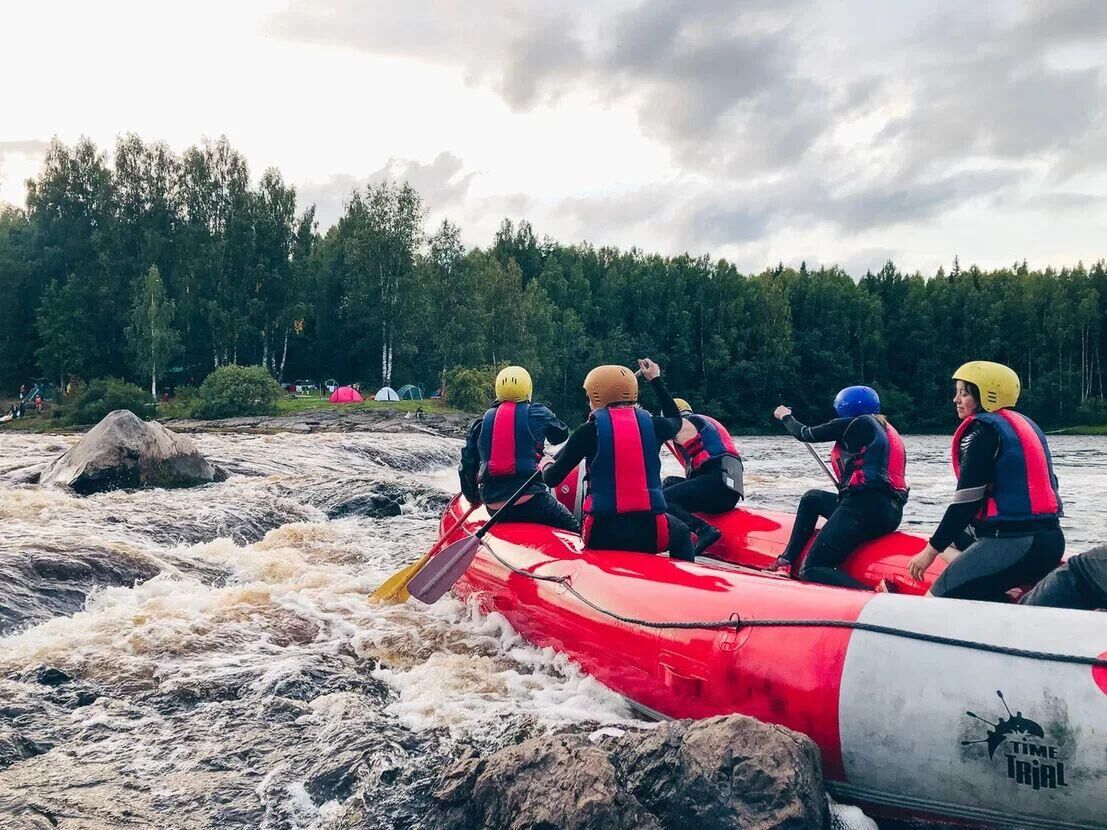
x=1024, y=486
x=711, y=441
x=507, y=447
x=624, y=476
x=880, y=463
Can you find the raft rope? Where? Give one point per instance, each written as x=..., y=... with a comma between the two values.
x=737, y=623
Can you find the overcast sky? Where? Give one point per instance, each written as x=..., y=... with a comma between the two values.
x=842, y=131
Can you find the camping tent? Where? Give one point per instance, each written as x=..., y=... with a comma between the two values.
x=387, y=394
x=346, y=394
x=411, y=393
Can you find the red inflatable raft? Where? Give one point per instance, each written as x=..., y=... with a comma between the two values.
x=991, y=714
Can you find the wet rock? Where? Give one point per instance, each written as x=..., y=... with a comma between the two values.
x=720, y=773
x=15, y=747
x=122, y=451
x=370, y=498
x=39, y=583
x=51, y=677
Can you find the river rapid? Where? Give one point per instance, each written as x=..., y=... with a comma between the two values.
x=245, y=681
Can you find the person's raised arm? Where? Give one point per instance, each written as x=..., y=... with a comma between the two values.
x=576, y=449
x=830, y=431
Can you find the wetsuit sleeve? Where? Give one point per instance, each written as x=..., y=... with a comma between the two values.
x=668, y=405
x=978, y=458
x=470, y=463
x=556, y=431
x=831, y=431
x=669, y=424
x=581, y=444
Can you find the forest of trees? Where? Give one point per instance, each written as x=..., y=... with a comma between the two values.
x=185, y=260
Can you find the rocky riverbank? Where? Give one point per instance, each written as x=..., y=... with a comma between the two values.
x=450, y=424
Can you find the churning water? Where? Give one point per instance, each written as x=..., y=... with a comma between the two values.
x=247, y=682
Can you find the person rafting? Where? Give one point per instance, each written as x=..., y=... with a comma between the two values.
x=1006, y=490
x=870, y=463
x=504, y=448
x=713, y=473
x=1080, y=583
x=620, y=444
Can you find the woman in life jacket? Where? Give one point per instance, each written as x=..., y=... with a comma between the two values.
x=713, y=473
x=620, y=444
x=870, y=463
x=503, y=449
x=1006, y=497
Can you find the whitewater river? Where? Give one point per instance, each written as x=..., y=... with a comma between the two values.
x=246, y=681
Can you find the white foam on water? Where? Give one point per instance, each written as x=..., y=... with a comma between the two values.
x=231, y=633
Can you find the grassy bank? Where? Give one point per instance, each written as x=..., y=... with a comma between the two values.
x=46, y=422
x=1099, y=429
x=291, y=406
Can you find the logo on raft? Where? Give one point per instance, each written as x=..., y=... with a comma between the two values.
x=1031, y=760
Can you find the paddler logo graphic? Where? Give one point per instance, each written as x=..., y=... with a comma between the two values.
x=1031, y=760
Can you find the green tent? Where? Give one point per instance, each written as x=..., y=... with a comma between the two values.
x=410, y=393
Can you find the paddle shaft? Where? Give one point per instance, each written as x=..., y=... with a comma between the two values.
x=822, y=463
x=442, y=540
x=511, y=501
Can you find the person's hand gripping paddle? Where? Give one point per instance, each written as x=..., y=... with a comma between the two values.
x=780, y=413
x=443, y=570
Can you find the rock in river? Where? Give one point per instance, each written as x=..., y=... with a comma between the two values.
x=724, y=772
x=124, y=452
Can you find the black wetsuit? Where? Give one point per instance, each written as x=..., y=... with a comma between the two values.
x=542, y=507
x=704, y=491
x=625, y=531
x=853, y=516
x=1081, y=583
x=994, y=559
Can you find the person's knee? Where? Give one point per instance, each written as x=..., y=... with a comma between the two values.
x=812, y=496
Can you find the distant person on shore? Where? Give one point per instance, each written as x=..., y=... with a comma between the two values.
x=38, y=403
x=713, y=475
x=504, y=448
x=22, y=391
x=620, y=444
x=1006, y=490
x=870, y=463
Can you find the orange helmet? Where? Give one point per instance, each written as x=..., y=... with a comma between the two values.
x=606, y=385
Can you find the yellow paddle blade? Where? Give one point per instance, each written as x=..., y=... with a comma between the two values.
x=394, y=589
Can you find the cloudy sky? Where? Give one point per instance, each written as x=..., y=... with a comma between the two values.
x=836, y=131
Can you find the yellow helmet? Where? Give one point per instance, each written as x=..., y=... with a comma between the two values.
x=682, y=406
x=998, y=384
x=611, y=384
x=513, y=383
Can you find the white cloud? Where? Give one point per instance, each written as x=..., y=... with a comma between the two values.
x=755, y=130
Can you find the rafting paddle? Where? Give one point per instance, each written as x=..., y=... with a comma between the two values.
x=394, y=590
x=441, y=572
x=822, y=463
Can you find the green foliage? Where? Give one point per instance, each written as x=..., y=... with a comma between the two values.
x=245, y=278
x=470, y=390
x=105, y=395
x=151, y=335
x=185, y=403
x=233, y=390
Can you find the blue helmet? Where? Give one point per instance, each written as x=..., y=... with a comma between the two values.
x=856, y=400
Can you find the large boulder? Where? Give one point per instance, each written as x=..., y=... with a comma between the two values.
x=724, y=772
x=125, y=452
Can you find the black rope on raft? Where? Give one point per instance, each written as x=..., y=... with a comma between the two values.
x=737, y=624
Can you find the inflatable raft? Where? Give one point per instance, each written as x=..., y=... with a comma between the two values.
x=983, y=713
